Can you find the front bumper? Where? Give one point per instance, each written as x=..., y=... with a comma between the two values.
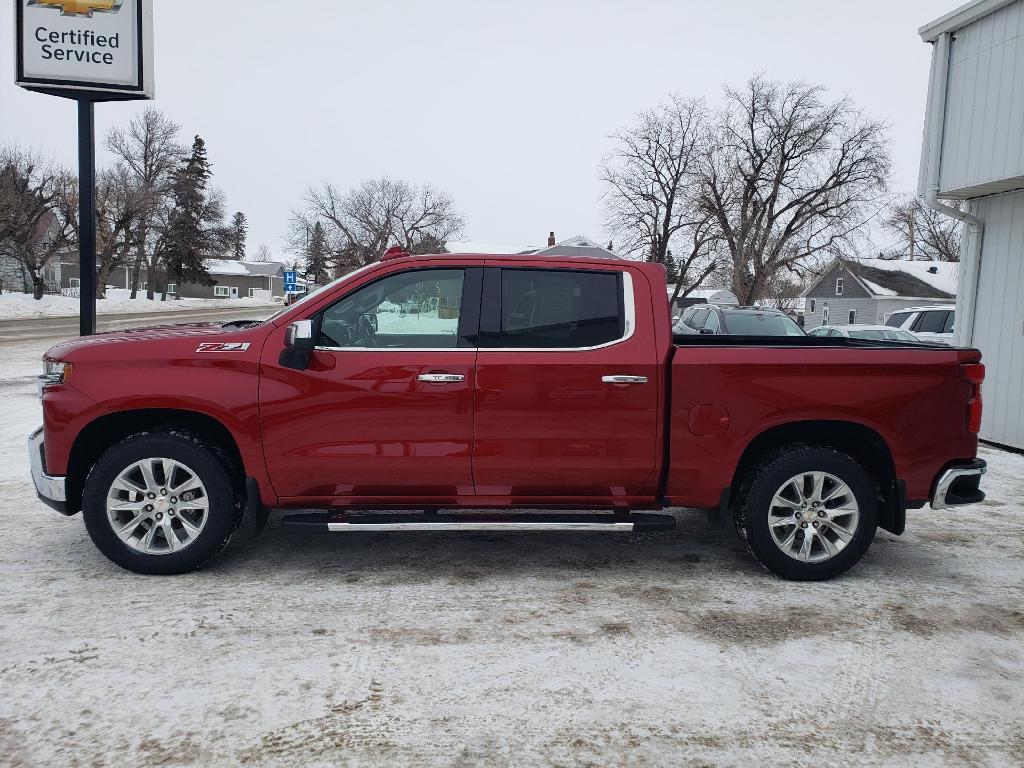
x=51, y=490
x=959, y=485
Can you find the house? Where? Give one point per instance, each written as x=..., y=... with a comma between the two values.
x=68, y=274
x=867, y=290
x=720, y=296
x=234, y=280
x=973, y=154
x=266, y=276
x=579, y=245
x=14, y=276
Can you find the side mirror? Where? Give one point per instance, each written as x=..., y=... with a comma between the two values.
x=299, y=336
x=299, y=343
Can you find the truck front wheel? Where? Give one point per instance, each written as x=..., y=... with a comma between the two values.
x=160, y=503
x=808, y=513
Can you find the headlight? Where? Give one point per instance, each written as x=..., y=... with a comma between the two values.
x=56, y=372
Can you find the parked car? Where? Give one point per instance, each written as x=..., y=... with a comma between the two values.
x=556, y=383
x=877, y=332
x=710, y=319
x=934, y=323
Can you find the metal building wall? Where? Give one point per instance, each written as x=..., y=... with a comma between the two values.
x=999, y=317
x=983, y=143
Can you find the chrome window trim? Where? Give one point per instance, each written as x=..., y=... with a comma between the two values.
x=628, y=303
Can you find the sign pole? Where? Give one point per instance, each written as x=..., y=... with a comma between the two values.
x=87, y=215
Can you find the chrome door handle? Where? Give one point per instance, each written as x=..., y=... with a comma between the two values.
x=624, y=379
x=441, y=378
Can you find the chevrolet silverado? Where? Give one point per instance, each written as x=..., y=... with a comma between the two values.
x=419, y=391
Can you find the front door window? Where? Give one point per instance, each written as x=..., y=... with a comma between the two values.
x=410, y=310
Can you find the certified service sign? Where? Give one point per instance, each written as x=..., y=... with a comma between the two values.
x=103, y=46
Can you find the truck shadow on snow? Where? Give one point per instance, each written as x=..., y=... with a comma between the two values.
x=696, y=549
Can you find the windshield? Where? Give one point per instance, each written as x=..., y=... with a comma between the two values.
x=761, y=324
x=889, y=334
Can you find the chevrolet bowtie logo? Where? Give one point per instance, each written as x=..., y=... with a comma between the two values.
x=79, y=7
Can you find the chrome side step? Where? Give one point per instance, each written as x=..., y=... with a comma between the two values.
x=328, y=522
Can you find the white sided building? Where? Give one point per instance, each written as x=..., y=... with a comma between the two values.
x=974, y=153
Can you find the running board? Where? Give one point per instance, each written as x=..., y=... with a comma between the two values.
x=328, y=522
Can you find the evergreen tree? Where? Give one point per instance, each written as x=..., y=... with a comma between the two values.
x=318, y=256
x=194, y=227
x=239, y=228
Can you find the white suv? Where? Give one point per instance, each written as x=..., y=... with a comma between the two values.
x=935, y=323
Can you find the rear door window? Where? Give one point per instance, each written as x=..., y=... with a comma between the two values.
x=712, y=323
x=554, y=309
x=897, y=319
x=932, y=321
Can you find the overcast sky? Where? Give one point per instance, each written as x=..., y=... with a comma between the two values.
x=505, y=105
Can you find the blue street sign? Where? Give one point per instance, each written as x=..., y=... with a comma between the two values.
x=291, y=281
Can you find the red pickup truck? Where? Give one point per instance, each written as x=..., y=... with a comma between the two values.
x=501, y=383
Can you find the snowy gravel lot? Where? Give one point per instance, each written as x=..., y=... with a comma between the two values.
x=459, y=650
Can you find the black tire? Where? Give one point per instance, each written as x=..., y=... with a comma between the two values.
x=207, y=463
x=754, y=498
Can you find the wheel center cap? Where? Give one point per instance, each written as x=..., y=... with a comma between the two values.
x=161, y=505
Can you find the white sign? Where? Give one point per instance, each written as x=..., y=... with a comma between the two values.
x=103, y=46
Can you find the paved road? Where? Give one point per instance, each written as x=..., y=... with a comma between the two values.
x=65, y=327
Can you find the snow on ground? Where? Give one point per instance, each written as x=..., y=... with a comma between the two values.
x=422, y=323
x=17, y=306
x=666, y=649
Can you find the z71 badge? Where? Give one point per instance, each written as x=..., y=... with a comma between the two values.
x=214, y=346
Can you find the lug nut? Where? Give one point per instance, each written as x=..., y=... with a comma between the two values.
x=159, y=515
x=803, y=525
x=163, y=491
x=814, y=524
x=174, y=500
x=171, y=513
x=149, y=507
x=150, y=495
x=821, y=513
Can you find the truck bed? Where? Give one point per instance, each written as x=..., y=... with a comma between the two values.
x=731, y=394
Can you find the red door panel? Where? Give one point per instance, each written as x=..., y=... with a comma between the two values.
x=362, y=424
x=547, y=426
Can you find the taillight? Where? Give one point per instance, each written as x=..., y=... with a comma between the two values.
x=973, y=374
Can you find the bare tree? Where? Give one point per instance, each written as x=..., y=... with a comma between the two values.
x=150, y=149
x=118, y=208
x=380, y=213
x=790, y=178
x=38, y=206
x=650, y=177
x=922, y=233
x=263, y=254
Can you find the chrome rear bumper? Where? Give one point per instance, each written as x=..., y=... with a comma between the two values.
x=959, y=485
x=52, y=490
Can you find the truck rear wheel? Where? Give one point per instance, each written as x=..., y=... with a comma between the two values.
x=160, y=503
x=808, y=513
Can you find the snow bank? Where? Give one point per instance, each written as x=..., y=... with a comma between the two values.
x=18, y=306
